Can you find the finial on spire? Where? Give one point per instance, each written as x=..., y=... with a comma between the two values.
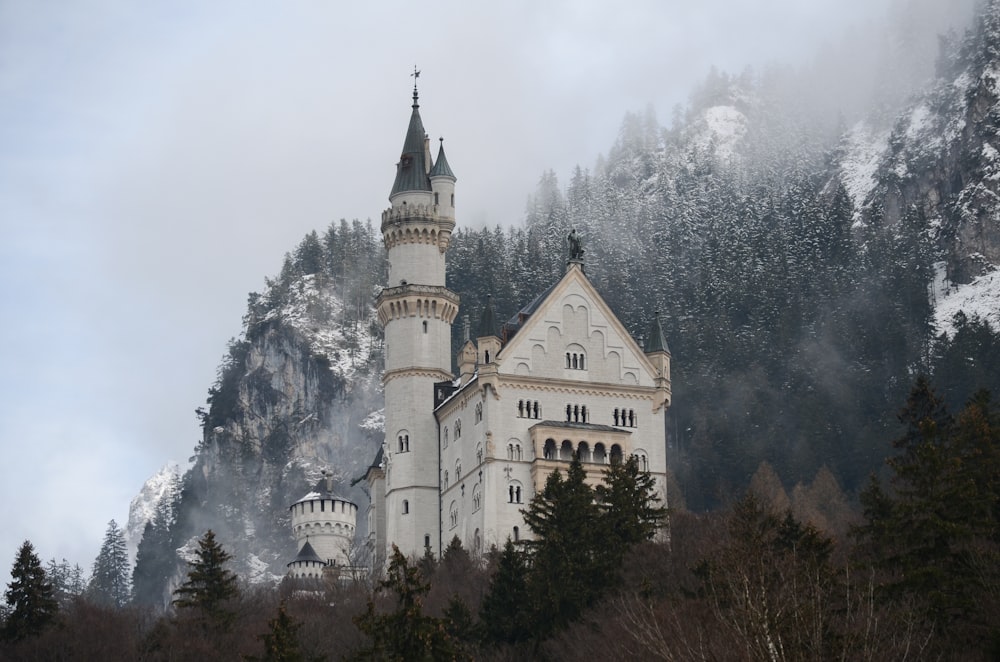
x=415, y=75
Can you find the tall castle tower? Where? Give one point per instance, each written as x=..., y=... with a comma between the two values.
x=416, y=310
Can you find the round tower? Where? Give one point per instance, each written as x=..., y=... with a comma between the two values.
x=416, y=310
x=323, y=524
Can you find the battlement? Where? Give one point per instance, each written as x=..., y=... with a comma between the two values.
x=427, y=301
x=416, y=224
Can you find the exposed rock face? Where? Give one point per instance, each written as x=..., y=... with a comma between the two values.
x=941, y=159
x=290, y=401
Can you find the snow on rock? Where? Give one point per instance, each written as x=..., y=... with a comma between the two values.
x=979, y=298
x=317, y=313
x=161, y=485
x=724, y=128
x=259, y=573
x=375, y=421
x=864, y=148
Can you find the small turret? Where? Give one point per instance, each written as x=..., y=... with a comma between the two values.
x=443, y=185
x=488, y=340
x=325, y=523
x=658, y=353
x=467, y=354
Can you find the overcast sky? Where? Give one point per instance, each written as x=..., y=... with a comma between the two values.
x=157, y=159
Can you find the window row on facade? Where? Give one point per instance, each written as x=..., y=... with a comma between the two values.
x=326, y=529
x=529, y=409
x=625, y=418
x=576, y=361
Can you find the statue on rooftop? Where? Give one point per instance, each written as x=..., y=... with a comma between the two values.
x=575, y=246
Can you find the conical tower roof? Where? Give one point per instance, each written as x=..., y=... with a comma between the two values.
x=441, y=167
x=307, y=553
x=656, y=341
x=411, y=171
x=488, y=322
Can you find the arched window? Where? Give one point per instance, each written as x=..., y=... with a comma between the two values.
x=406, y=507
x=477, y=498
x=520, y=408
x=510, y=451
x=514, y=492
x=566, y=450
x=446, y=437
x=453, y=515
x=616, y=454
x=479, y=412
x=517, y=534
x=445, y=481
x=583, y=451
x=458, y=470
x=479, y=454
x=536, y=409
x=549, y=452
x=600, y=454
x=425, y=326
x=458, y=429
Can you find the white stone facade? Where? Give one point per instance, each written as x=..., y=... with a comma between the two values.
x=462, y=458
x=529, y=409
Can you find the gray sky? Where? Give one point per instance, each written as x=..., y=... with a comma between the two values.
x=157, y=159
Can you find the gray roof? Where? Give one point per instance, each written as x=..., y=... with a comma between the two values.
x=656, y=341
x=513, y=325
x=593, y=427
x=441, y=167
x=307, y=553
x=411, y=171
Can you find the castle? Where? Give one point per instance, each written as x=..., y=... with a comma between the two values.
x=463, y=454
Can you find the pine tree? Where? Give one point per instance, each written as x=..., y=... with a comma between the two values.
x=31, y=604
x=155, y=560
x=628, y=500
x=569, y=564
x=210, y=587
x=505, y=613
x=406, y=633
x=934, y=533
x=281, y=642
x=110, y=583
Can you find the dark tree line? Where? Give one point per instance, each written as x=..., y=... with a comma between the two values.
x=602, y=580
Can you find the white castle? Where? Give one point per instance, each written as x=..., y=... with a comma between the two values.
x=464, y=454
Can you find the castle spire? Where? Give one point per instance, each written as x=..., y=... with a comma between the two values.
x=412, y=168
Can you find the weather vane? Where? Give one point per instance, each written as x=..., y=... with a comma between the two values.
x=415, y=75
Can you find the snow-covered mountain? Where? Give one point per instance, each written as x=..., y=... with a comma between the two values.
x=160, y=486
